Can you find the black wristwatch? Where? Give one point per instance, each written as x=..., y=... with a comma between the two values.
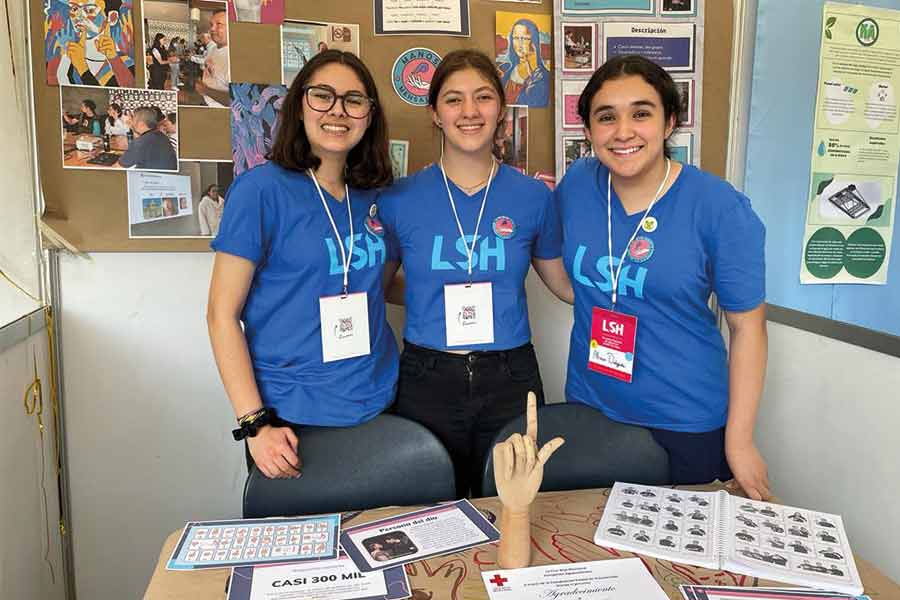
x=251, y=424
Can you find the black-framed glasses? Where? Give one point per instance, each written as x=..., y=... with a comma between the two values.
x=322, y=98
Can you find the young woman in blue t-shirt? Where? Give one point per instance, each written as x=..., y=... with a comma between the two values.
x=299, y=262
x=468, y=228
x=646, y=237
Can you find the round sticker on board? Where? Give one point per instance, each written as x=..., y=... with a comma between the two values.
x=504, y=227
x=374, y=226
x=412, y=74
x=650, y=224
x=641, y=249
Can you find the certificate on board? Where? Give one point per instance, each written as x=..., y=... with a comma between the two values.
x=437, y=17
x=624, y=579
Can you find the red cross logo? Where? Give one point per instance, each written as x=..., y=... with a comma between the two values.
x=497, y=580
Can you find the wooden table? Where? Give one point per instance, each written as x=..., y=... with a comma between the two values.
x=562, y=530
x=72, y=157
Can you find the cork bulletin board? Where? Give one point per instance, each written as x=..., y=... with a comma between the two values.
x=90, y=209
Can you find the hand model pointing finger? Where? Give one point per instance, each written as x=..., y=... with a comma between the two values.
x=518, y=472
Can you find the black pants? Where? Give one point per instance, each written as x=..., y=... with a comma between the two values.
x=694, y=457
x=464, y=399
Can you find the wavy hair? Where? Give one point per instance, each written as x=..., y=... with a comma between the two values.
x=368, y=163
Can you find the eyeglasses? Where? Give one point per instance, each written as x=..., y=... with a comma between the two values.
x=89, y=10
x=322, y=99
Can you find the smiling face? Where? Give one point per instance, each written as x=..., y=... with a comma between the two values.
x=468, y=111
x=334, y=132
x=627, y=127
x=88, y=17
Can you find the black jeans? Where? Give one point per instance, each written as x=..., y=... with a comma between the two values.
x=465, y=399
x=694, y=457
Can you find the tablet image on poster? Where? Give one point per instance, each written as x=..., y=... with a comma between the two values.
x=435, y=17
x=337, y=579
x=187, y=205
x=417, y=535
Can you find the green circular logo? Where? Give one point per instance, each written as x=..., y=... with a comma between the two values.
x=824, y=253
x=864, y=253
x=867, y=32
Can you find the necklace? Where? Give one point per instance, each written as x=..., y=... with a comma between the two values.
x=475, y=186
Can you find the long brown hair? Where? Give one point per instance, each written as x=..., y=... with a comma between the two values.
x=368, y=163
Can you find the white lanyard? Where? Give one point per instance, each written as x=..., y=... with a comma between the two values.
x=470, y=250
x=615, y=276
x=345, y=256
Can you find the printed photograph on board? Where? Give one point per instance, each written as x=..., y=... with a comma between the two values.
x=256, y=11
x=399, y=152
x=571, y=92
x=686, y=94
x=183, y=205
x=301, y=41
x=523, y=57
x=579, y=48
x=511, y=145
x=89, y=42
x=678, y=8
x=186, y=50
x=118, y=128
x=574, y=148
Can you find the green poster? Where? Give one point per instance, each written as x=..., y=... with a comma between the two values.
x=856, y=141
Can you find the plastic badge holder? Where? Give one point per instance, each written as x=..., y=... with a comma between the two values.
x=850, y=201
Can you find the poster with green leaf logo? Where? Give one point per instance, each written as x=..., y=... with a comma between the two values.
x=856, y=142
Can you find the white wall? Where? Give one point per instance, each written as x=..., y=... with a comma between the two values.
x=148, y=423
x=24, y=528
x=829, y=429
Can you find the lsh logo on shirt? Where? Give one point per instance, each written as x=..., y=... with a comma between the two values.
x=489, y=255
x=631, y=278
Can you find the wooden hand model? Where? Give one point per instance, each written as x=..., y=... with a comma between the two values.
x=518, y=472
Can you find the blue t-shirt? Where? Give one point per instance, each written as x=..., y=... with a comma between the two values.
x=274, y=218
x=707, y=239
x=520, y=221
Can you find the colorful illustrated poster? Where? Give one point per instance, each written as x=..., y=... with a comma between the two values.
x=523, y=57
x=89, y=43
x=254, y=114
x=852, y=195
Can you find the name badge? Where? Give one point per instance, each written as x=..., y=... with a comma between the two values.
x=469, y=313
x=345, y=326
x=612, y=344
